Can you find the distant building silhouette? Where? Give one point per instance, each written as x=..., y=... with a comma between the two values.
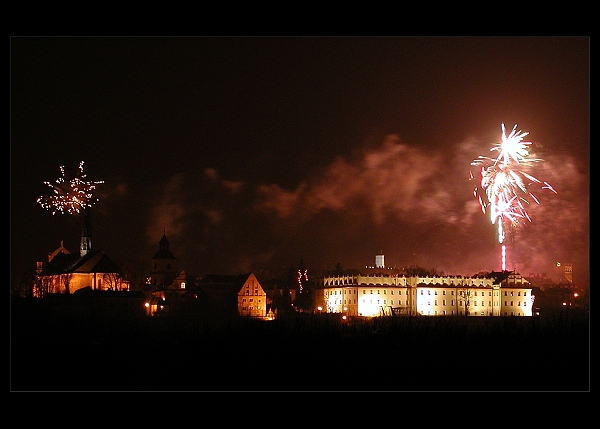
x=240, y=295
x=163, y=266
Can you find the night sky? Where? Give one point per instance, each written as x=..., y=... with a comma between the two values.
x=253, y=153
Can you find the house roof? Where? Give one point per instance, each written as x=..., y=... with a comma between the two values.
x=224, y=290
x=225, y=281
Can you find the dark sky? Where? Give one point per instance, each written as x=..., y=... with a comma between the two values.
x=253, y=153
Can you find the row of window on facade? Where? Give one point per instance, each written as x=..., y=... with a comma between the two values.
x=444, y=302
x=250, y=300
x=444, y=313
x=422, y=292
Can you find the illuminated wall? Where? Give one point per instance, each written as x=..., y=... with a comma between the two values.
x=252, y=299
x=95, y=281
x=516, y=302
x=429, y=296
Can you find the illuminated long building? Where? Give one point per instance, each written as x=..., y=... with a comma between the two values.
x=379, y=291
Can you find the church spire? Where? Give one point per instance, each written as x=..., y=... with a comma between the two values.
x=86, y=234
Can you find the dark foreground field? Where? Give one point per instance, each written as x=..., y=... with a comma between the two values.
x=303, y=353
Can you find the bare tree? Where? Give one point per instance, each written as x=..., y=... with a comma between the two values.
x=42, y=286
x=23, y=286
x=465, y=296
x=65, y=282
x=113, y=280
x=136, y=272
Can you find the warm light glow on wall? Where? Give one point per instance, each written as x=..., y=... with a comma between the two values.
x=369, y=309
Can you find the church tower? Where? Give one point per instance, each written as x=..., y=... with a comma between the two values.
x=163, y=268
x=86, y=234
x=379, y=260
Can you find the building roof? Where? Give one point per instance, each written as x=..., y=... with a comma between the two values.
x=501, y=276
x=225, y=281
x=95, y=261
x=163, y=249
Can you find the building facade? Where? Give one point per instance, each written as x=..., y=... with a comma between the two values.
x=381, y=292
x=67, y=272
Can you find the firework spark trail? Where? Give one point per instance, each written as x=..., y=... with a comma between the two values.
x=70, y=196
x=503, y=182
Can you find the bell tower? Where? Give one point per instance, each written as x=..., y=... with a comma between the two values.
x=86, y=234
x=163, y=269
